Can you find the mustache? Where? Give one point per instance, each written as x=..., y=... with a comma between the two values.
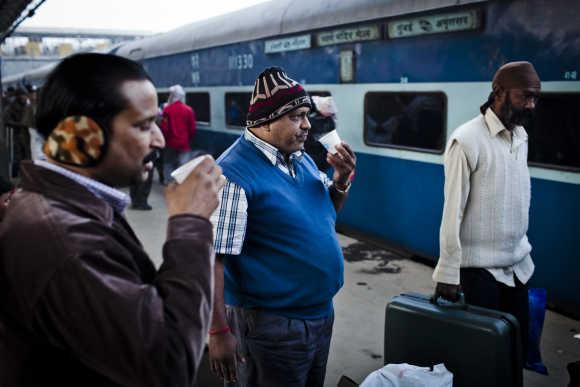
x=152, y=156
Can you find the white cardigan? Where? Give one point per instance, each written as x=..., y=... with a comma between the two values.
x=487, y=202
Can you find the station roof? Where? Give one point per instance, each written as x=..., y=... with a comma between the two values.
x=10, y=11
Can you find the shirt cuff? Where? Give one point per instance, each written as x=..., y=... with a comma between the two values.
x=447, y=274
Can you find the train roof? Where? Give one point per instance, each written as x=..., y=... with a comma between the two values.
x=273, y=18
x=276, y=17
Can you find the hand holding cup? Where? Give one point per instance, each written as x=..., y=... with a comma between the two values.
x=196, y=188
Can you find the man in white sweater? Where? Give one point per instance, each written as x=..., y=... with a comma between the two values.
x=483, y=242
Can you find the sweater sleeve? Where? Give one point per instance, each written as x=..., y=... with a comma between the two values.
x=134, y=333
x=457, y=174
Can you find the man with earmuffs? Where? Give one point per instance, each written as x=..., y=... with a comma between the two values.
x=81, y=303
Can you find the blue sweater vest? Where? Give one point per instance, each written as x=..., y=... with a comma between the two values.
x=291, y=262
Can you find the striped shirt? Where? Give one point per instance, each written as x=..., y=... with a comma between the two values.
x=116, y=199
x=230, y=218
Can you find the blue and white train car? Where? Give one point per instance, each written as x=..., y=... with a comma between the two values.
x=404, y=75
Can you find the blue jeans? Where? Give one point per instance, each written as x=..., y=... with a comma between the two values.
x=280, y=351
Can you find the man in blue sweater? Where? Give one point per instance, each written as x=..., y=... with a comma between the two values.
x=279, y=262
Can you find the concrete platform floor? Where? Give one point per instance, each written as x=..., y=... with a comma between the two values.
x=372, y=278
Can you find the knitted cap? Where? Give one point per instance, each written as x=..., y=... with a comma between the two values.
x=275, y=94
x=516, y=75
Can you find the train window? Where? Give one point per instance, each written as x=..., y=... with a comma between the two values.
x=237, y=105
x=411, y=120
x=553, y=136
x=162, y=98
x=200, y=103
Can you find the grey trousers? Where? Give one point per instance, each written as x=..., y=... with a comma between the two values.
x=280, y=351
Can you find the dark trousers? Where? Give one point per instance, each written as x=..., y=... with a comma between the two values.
x=139, y=192
x=481, y=289
x=158, y=163
x=21, y=149
x=280, y=351
x=5, y=185
x=173, y=159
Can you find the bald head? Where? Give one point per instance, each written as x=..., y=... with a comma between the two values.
x=516, y=75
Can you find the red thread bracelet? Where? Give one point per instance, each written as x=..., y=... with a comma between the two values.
x=219, y=331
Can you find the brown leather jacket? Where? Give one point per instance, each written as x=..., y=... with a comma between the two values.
x=81, y=304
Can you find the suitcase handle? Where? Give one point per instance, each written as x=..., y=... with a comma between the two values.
x=443, y=303
x=439, y=301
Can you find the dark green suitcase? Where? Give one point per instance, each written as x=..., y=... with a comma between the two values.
x=481, y=347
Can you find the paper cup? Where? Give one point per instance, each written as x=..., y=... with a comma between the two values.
x=182, y=172
x=330, y=140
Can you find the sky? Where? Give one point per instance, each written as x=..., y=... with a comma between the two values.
x=139, y=15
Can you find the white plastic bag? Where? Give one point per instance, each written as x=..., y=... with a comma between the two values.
x=407, y=375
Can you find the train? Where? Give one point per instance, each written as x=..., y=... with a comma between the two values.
x=404, y=75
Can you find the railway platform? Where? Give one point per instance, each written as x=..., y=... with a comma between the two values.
x=372, y=277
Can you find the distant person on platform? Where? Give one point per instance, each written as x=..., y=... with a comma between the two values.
x=14, y=117
x=178, y=126
x=322, y=119
x=5, y=186
x=484, y=249
x=81, y=303
x=8, y=95
x=36, y=140
x=279, y=262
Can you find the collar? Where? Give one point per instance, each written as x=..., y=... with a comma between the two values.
x=271, y=152
x=495, y=127
x=115, y=198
